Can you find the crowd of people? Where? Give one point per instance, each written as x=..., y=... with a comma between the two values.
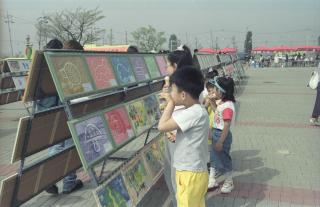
x=197, y=109
x=284, y=59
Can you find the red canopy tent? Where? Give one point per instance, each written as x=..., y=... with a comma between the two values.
x=207, y=50
x=282, y=48
x=307, y=48
x=227, y=50
x=261, y=49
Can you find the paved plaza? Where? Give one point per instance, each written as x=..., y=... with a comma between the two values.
x=275, y=149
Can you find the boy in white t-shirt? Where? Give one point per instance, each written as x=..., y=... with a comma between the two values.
x=192, y=125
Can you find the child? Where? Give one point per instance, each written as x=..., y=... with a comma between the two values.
x=221, y=136
x=176, y=60
x=192, y=125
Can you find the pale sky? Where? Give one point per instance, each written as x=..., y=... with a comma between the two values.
x=273, y=22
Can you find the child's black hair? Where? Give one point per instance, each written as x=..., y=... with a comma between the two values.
x=54, y=44
x=181, y=57
x=211, y=74
x=227, y=84
x=188, y=79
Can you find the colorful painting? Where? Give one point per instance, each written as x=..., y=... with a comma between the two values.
x=101, y=71
x=94, y=140
x=14, y=66
x=24, y=65
x=123, y=70
x=152, y=109
x=152, y=67
x=161, y=142
x=139, y=68
x=119, y=125
x=19, y=82
x=137, y=179
x=161, y=61
x=137, y=115
x=72, y=75
x=114, y=194
x=154, y=159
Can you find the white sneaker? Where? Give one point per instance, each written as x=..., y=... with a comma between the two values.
x=212, y=180
x=227, y=186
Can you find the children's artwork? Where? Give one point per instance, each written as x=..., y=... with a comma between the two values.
x=19, y=82
x=14, y=66
x=137, y=179
x=94, y=140
x=72, y=75
x=24, y=65
x=152, y=66
x=123, y=70
x=153, y=159
x=161, y=61
x=119, y=125
x=137, y=115
x=114, y=194
x=161, y=142
x=139, y=68
x=152, y=109
x=101, y=71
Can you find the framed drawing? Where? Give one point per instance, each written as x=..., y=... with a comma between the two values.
x=70, y=74
x=152, y=66
x=19, y=82
x=123, y=70
x=14, y=66
x=137, y=179
x=24, y=65
x=92, y=139
x=153, y=159
x=101, y=71
x=119, y=125
x=162, y=64
x=137, y=116
x=113, y=193
x=151, y=106
x=139, y=68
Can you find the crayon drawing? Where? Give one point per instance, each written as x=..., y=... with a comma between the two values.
x=123, y=70
x=24, y=65
x=19, y=82
x=101, y=72
x=137, y=179
x=137, y=115
x=14, y=66
x=95, y=142
x=114, y=194
x=152, y=109
x=72, y=75
x=154, y=159
x=152, y=66
x=161, y=142
x=119, y=125
x=161, y=61
x=139, y=68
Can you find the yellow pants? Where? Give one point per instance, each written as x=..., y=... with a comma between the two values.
x=191, y=188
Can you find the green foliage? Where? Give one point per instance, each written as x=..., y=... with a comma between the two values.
x=148, y=39
x=248, y=43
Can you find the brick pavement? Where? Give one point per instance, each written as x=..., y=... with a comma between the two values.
x=275, y=150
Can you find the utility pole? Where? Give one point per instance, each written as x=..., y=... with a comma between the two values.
x=216, y=43
x=196, y=42
x=110, y=37
x=126, y=37
x=8, y=20
x=211, y=38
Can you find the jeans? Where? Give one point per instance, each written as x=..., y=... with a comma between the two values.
x=221, y=161
x=70, y=180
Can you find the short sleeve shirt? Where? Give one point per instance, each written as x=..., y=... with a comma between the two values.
x=191, y=151
x=224, y=111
